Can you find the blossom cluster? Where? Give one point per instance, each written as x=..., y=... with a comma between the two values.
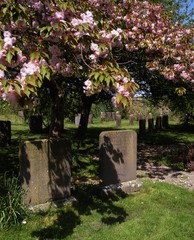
x=75, y=38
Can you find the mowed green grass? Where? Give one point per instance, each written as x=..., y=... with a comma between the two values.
x=160, y=211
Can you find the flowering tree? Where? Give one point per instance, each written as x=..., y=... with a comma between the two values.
x=94, y=41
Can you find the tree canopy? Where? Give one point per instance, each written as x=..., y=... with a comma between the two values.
x=93, y=41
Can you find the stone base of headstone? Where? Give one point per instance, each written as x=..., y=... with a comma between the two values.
x=51, y=205
x=45, y=170
x=36, y=124
x=124, y=187
x=5, y=133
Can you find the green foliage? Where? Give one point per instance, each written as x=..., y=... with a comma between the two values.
x=5, y=107
x=12, y=210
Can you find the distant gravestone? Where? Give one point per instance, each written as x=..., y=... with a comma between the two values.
x=165, y=122
x=77, y=119
x=113, y=115
x=158, y=123
x=102, y=116
x=90, y=119
x=118, y=119
x=21, y=114
x=35, y=123
x=131, y=119
x=5, y=133
x=150, y=123
x=142, y=126
x=108, y=116
x=118, y=156
x=45, y=170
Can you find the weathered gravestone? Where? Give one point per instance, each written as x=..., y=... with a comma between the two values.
x=113, y=115
x=5, y=133
x=77, y=119
x=159, y=123
x=118, y=156
x=150, y=123
x=102, y=116
x=131, y=119
x=90, y=119
x=142, y=126
x=45, y=170
x=165, y=122
x=118, y=119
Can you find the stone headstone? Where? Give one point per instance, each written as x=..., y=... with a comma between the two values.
x=142, y=126
x=36, y=124
x=77, y=119
x=159, y=122
x=165, y=122
x=45, y=170
x=150, y=122
x=90, y=119
x=5, y=133
x=21, y=114
x=113, y=115
x=118, y=119
x=108, y=116
x=131, y=119
x=102, y=116
x=150, y=125
x=118, y=156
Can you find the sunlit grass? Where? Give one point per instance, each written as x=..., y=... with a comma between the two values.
x=158, y=211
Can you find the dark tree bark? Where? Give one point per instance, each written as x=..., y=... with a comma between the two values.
x=57, y=110
x=86, y=108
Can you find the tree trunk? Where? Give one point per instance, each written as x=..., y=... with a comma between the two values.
x=57, y=111
x=86, y=108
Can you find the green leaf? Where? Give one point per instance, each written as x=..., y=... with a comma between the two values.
x=32, y=80
x=27, y=92
x=124, y=102
x=96, y=76
x=17, y=88
x=119, y=98
x=35, y=55
x=45, y=71
x=3, y=67
x=101, y=78
x=9, y=57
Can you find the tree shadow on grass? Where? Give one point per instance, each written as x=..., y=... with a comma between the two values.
x=89, y=198
x=62, y=227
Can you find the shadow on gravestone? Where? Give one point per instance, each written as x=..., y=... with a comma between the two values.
x=45, y=170
x=108, y=153
x=59, y=169
x=118, y=156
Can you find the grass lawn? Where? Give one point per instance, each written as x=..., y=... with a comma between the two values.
x=160, y=211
